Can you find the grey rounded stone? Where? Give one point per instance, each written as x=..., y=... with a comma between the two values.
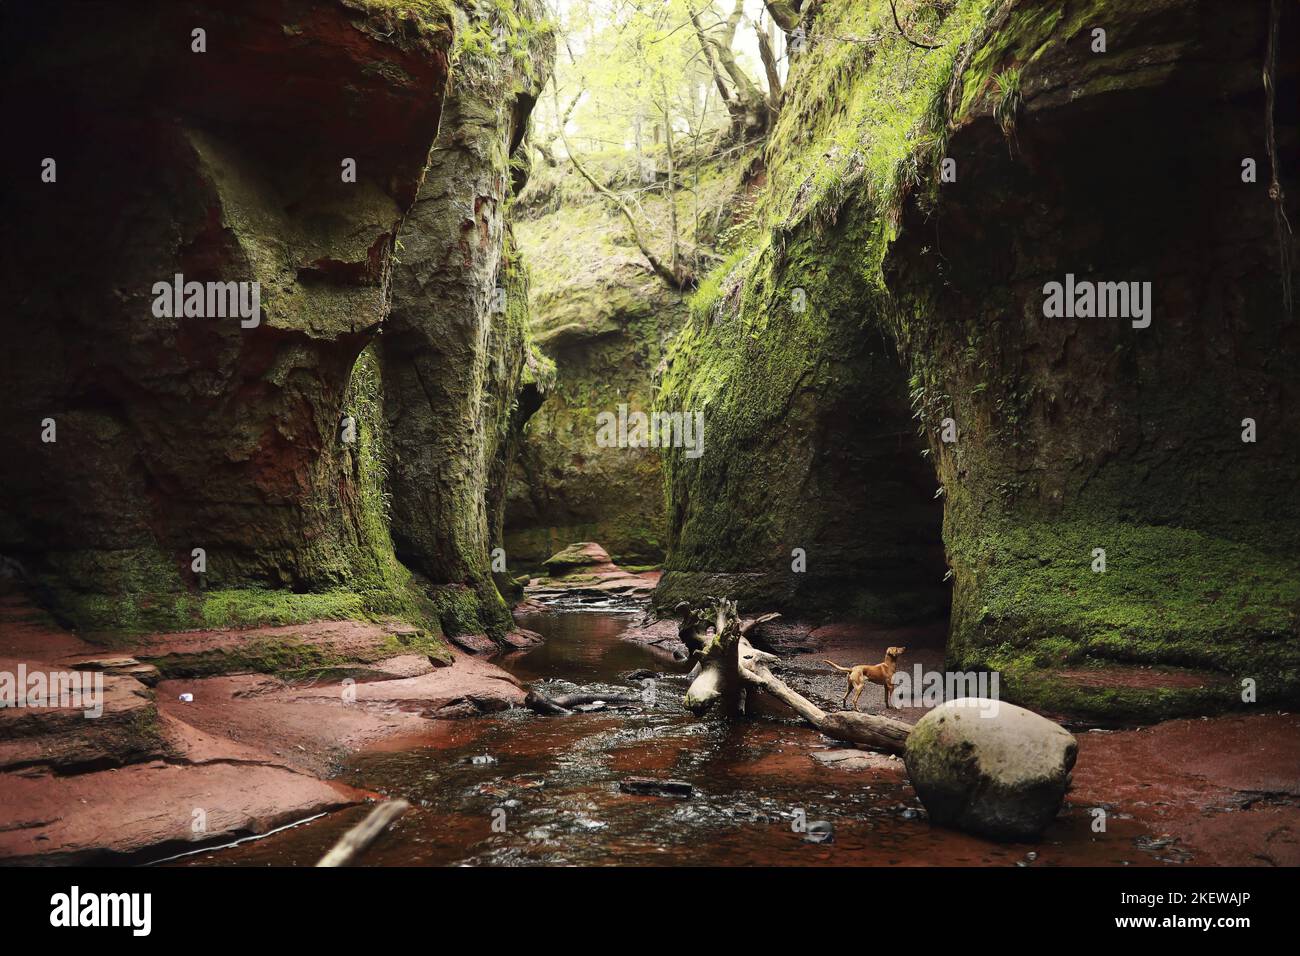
x=990, y=768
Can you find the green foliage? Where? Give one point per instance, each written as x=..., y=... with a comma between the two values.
x=427, y=16
x=492, y=31
x=1008, y=99
x=858, y=113
x=637, y=65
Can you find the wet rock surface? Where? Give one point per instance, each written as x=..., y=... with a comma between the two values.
x=150, y=810
x=857, y=760
x=656, y=787
x=205, y=753
x=1220, y=790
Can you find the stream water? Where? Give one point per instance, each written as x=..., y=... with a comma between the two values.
x=516, y=788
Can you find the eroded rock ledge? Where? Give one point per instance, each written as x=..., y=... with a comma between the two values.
x=269, y=715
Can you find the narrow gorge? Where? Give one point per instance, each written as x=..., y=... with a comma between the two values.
x=512, y=407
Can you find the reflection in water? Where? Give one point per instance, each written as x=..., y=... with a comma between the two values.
x=551, y=795
x=580, y=647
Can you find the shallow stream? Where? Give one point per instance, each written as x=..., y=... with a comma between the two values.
x=516, y=788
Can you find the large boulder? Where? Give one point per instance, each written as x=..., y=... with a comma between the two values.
x=586, y=556
x=583, y=573
x=989, y=767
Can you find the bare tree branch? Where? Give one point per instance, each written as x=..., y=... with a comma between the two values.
x=924, y=46
x=677, y=280
x=768, y=56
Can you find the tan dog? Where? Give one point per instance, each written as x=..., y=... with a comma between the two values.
x=882, y=674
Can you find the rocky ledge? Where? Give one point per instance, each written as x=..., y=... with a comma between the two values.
x=584, y=575
x=206, y=737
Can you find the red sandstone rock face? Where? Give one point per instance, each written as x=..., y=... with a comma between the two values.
x=176, y=433
x=68, y=820
x=1223, y=789
x=246, y=754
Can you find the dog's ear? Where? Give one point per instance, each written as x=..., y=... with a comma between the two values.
x=901, y=650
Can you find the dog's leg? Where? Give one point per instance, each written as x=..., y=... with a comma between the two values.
x=888, y=684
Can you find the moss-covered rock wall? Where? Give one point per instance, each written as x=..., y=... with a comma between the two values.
x=182, y=433
x=281, y=143
x=1071, y=435
x=604, y=319
x=455, y=346
x=1108, y=438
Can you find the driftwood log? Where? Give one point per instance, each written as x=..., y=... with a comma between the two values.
x=539, y=703
x=730, y=667
x=355, y=842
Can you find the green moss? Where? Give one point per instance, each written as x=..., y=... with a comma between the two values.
x=1026, y=683
x=861, y=130
x=492, y=30
x=458, y=609
x=259, y=608
x=1026, y=33
x=428, y=16
x=294, y=658
x=140, y=590
x=1169, y=596
x=134, y=590
x=372, y=563
x=785, y=316
x=143, y=736
x=858, y=113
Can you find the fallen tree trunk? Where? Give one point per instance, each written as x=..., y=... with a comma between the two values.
x=871, y=730
x=729, y=664
x=714, y=643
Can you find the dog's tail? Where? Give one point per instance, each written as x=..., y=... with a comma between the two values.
x=837, y=666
